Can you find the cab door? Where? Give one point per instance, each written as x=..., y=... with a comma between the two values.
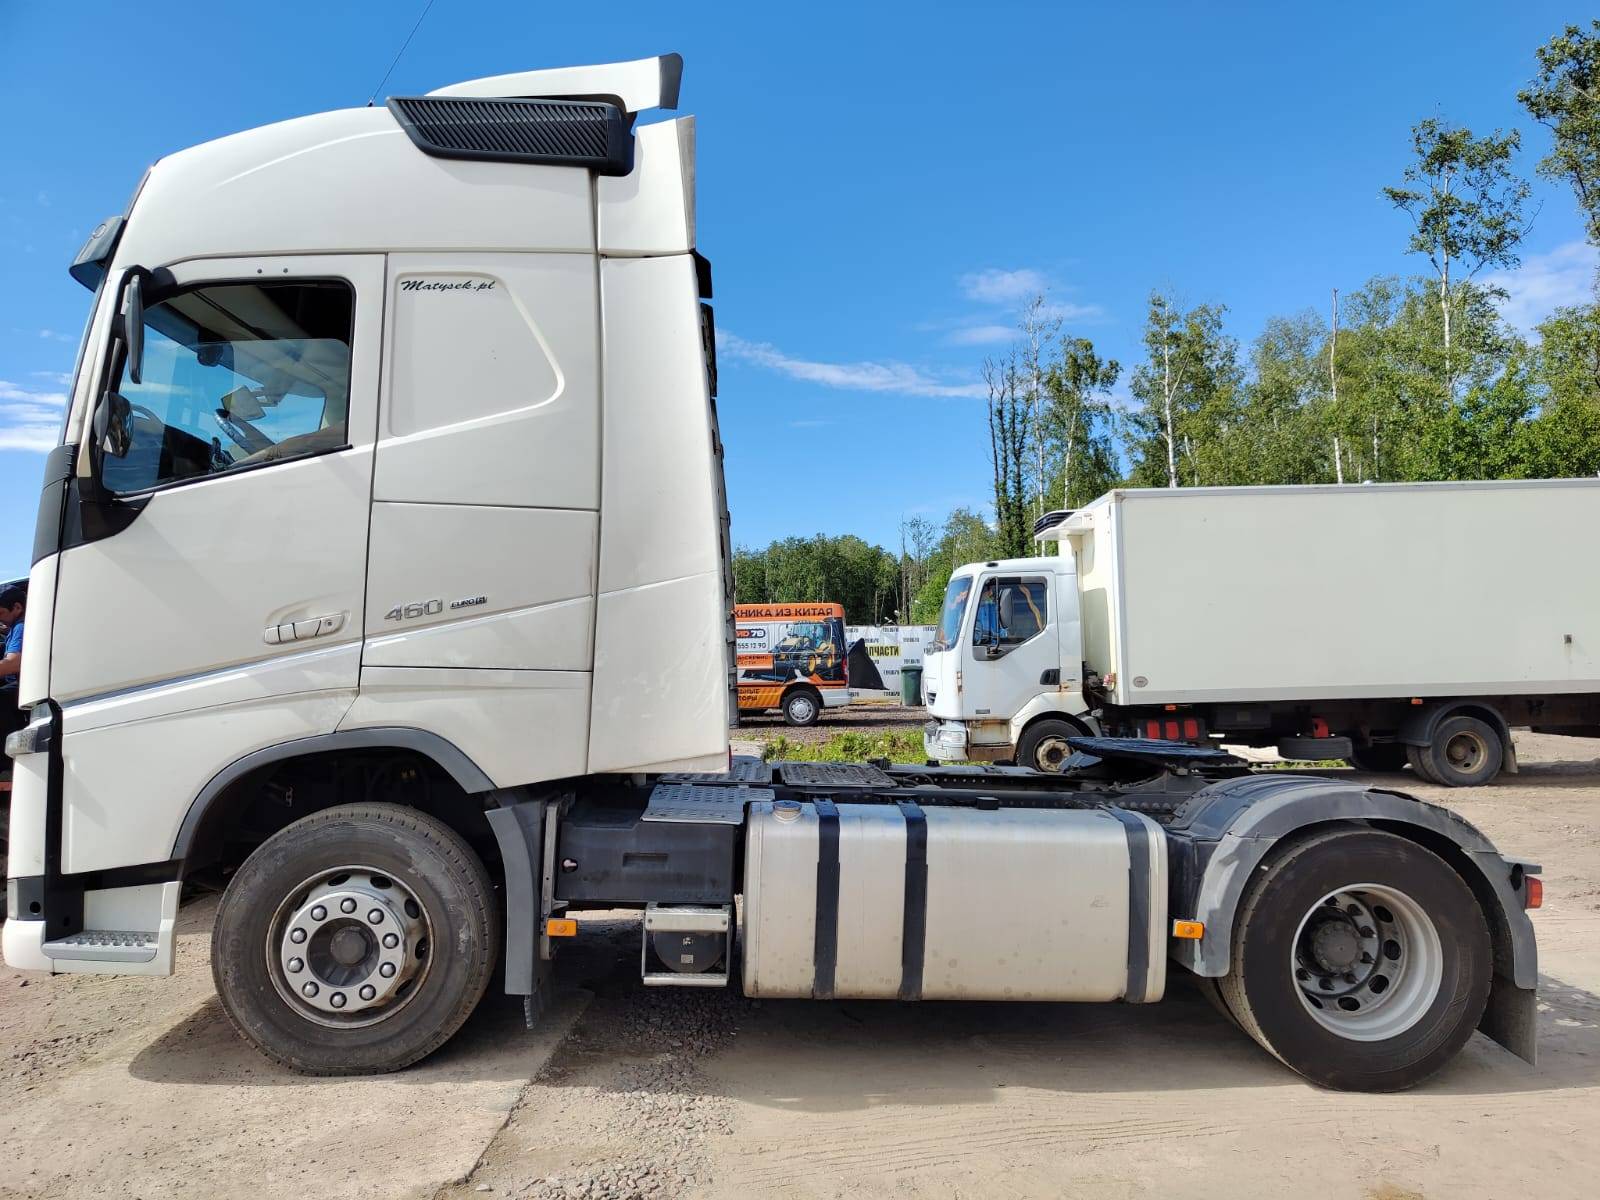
x=211, y=586
x=1013, y=642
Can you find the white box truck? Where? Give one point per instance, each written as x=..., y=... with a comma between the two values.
x=381, y=579
x=1383, y=623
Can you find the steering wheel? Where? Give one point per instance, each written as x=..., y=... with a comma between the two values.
x=242, y=432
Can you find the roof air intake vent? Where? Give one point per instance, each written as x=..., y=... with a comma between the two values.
x=562, y=133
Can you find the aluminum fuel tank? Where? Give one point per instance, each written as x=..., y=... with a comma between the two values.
x=886, y=901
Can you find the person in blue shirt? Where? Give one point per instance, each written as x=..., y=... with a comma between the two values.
x=13, y=608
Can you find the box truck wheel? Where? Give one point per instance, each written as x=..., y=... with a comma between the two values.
x=802, y=706
x=355, y=941
x=1464, y=752
x=1360, y=959
x=1043, y=745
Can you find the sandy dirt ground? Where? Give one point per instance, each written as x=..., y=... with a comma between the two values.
x=125, y=1087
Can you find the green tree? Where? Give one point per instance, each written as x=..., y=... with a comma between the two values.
x=1009, y=423
x=1565, y=98
x=1078, y=425
x=1466, y=207
x=1187, y=392
x=967, y=538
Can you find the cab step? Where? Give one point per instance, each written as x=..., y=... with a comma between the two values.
x=106, y=945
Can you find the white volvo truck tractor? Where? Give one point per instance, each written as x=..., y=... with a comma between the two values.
x=381, y=580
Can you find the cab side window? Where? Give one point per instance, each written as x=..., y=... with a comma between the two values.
x=1029, y=612
x=234, y=375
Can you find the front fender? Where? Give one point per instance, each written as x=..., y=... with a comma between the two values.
x=1223, y=833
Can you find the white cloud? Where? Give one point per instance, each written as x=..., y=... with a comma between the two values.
x=62, y=378
x=1051, y=311
x=1546, y=282
x=809, y=424
x=898, y=378
x=54, y=335
x=981, y=335
x=997, y=286
x=29, y=420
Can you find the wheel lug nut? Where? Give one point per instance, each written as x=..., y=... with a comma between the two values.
x=391, y=940
x=1349, y=977
x=318, y=913
x=1302, y=974
x=368, y=991
x=376, y=916
x=347, y=905
x=1325, y=984
x=1367, y=931
x=387, y=970
x=297, y=936
x=309, y=989
x=296, y=965
x=337, y=999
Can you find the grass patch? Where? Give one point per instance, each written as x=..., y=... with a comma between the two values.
x=897, y=745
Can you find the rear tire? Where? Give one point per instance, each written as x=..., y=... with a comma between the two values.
x=1360, y=960
x=399, y=956
x=1464, y=752
x=803, y=707
x=1043, y=745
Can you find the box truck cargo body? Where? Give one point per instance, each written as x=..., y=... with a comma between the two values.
x=381, y=580
x=1385, y=622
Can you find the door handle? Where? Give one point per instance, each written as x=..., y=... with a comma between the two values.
x=303, y=630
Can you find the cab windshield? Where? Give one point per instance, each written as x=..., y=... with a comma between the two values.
x=956, y=596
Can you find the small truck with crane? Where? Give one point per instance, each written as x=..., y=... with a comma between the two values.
x=381, y=580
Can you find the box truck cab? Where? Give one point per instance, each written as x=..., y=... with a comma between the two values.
x=1003, y=678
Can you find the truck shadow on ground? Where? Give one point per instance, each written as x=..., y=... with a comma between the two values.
x=841, y=1056
x=494, y=1045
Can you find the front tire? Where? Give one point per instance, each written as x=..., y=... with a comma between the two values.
x=803, y=707
x=356, y=941
x=1360, y=960
x=1043, y=745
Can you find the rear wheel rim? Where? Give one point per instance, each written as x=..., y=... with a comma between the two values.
x=1367, y=962
x=1465, y=751
x=802, y=708
x=349, y=947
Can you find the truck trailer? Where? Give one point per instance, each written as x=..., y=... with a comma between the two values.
x=1387, y=624
x=382, y=581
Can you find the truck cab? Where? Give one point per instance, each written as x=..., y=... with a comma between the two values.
x=1004, y=678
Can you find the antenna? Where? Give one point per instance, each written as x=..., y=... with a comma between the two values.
x=420, y=18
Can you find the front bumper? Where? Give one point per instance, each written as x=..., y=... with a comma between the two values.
x=949, y=741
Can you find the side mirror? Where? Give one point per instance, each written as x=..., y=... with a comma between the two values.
x=1007, y=608
x=113, y=433
x=133, y=326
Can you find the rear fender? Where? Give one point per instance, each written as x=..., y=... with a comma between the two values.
x=1224, y=833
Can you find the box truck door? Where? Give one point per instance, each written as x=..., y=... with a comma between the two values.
x=1014, y=642
x=210, y=591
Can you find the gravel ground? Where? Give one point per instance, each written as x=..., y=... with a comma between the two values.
x=861, y=718
x=132, y=1087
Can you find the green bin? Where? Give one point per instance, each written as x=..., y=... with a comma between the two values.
x=911, y=685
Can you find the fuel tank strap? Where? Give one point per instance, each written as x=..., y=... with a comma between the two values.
x=1138, y=902
x=825, y=952
x=914, y=931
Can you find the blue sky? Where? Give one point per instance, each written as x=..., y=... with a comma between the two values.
x=880, y=185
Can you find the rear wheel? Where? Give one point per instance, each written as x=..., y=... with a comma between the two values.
x=1361, y=960
x=803, y=706
x=1464, y=752
x=355, y=941
x=1043, y=745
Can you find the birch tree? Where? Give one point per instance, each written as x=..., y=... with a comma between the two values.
x=1565, y=99
x=1465, y=204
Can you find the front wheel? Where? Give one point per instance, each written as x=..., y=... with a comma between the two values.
x=356, y=941
x=1361, y=960
x=802, y=707
x=1043, y=745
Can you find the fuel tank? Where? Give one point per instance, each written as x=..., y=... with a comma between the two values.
x=901, y=901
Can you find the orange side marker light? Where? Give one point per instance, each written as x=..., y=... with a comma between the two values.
x=1535, y=892
x=561, y=927
x=1189, y=930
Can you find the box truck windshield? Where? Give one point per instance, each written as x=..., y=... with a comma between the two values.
x=956, y=595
